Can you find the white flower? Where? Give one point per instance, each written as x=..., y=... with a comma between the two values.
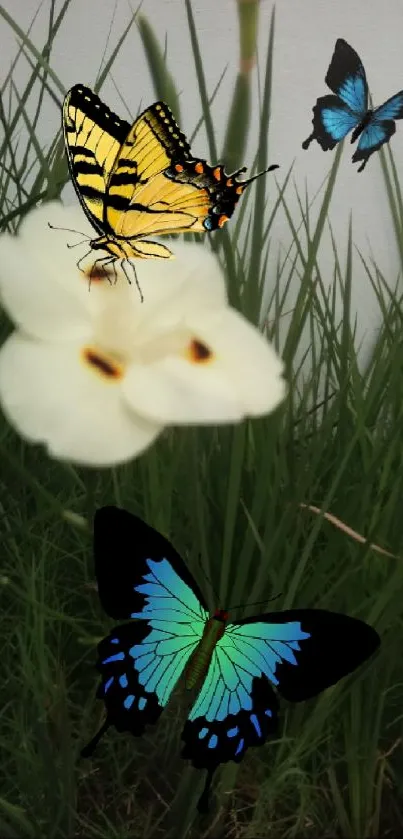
x=95, y=374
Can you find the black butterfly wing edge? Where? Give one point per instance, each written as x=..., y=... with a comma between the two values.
x=196, y=749
x=120, y=683
x=338, y=645
x=86, y=101
x=122, y=544
x=345, y=62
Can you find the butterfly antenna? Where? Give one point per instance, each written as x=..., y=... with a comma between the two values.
x=206, y=577
x=81, y=242
x=259, y=603
x=69, y=230
x=203, y=804
x=88, y=750
x=259, y=174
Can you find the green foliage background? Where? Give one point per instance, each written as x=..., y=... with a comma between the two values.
x=232, y=494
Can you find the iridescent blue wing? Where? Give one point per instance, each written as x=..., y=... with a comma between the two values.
x=335, y=116
x=332, y=121
x=380, y=128
x=346, y=78
x=141, y=576
x=299, y=652
x=391, y=109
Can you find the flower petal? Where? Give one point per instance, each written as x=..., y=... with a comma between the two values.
x=49, y=297
x=38, y=276
x=193, y=276
x=241, y=377
x=51, y=397
x=173, y=290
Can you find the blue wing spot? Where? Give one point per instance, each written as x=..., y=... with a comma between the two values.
x=114, y=640
x=240, y=746
x=208, y=223
x=142, y=703
x=213, y=741
x=268, y=712
x=255, y=722
x=123, y=681
x=108, y=684
x=116, y=657
x=232, y=732
x=128, y=702
x=202, y=733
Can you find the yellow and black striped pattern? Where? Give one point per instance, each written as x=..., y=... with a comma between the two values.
x=140, y=180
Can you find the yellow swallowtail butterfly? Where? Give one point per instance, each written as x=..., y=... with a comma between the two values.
x=135, y=181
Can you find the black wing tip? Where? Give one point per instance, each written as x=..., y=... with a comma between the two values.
x=341, y=42
x=110, y=513
x=109, y=509
x=80, y=89
x=160, y=103
x=342, y=45
x=374, y=639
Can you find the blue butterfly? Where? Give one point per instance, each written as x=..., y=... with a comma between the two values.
x=335, y=116
x=232, y=667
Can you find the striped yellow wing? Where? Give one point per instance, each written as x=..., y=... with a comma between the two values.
x=93, y=138
x=157, y=187
x=141, y=180
x=141, y=199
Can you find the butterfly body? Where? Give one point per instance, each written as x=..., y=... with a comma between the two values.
x=347, y=110
x=141, y=180
x=199, y=661
x=234, y=667
x=362, y=126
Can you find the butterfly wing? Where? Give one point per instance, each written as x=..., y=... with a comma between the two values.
x=141, y=200
x=332, y=121
x=346, y=78
x=140, y=575
x=141, y=180
x=157, y=187
x=380, y=128
x=93, y=136
x=335, y=116
x=300, y=652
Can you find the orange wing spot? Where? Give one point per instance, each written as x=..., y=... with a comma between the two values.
x=217, y=173
x=239, y=190
x=107, y=367
x=199, y=168
x=222, y=220
x=179, y=167
x=197, y=352
x=230, y=182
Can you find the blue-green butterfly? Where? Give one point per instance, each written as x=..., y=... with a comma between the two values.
x=232, y=666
